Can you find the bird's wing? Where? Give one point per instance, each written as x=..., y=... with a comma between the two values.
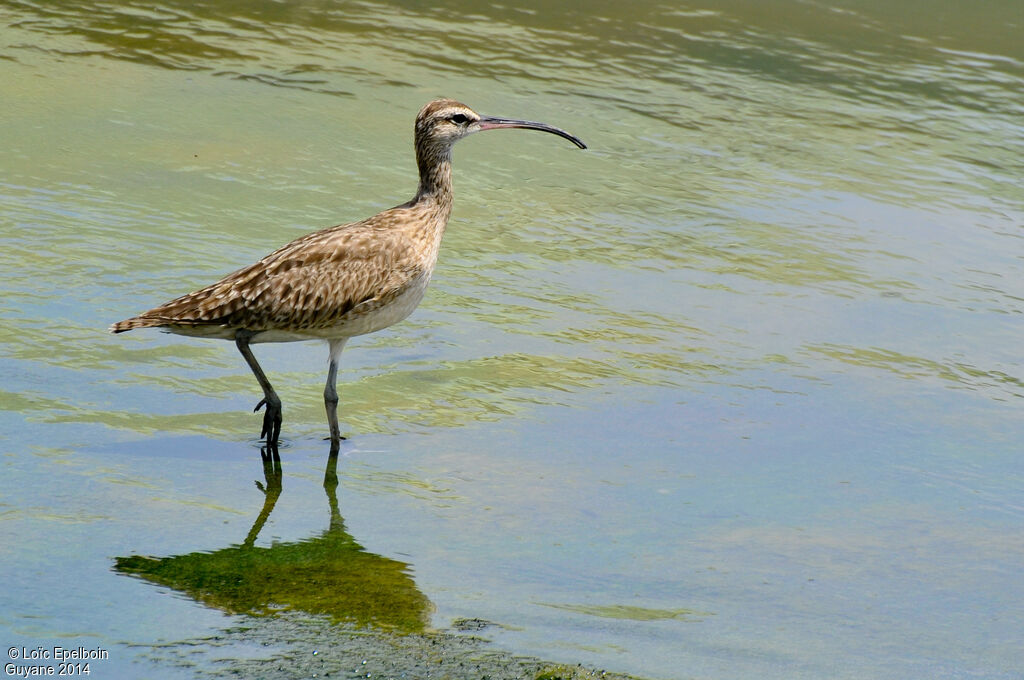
x=309, y=283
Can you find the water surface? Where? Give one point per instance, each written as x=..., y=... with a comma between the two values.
x=734, y=393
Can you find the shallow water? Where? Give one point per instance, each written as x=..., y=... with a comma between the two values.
x=736, y=392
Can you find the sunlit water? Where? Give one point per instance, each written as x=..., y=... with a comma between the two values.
x=734, y=393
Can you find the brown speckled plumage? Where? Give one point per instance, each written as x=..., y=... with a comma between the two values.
x=315, y=283
x=341, y=281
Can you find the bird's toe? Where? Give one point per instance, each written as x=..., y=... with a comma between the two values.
x=272, y=419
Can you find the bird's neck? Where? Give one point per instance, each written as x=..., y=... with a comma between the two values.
x=435, y=167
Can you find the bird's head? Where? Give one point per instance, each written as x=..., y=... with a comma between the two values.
x=443, y=122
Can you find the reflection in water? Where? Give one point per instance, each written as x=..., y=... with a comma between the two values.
x=330, y=574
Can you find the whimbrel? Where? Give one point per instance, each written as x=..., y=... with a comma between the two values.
x=338, y=282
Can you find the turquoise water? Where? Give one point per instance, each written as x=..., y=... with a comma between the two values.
x=734, y=393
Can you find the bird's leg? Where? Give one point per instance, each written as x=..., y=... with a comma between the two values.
x=272, y=416
x=331, y=390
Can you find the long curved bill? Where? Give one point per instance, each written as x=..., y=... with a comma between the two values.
x=489, y=123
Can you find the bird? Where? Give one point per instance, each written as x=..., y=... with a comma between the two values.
x=342, y=281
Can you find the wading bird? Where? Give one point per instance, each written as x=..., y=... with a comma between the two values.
x=338, y=282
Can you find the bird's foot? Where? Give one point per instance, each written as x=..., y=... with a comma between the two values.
x=271, y=420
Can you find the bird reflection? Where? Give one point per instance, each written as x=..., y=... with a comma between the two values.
x=329, y=575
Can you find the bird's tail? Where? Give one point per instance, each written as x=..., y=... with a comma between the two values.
x=133, y=323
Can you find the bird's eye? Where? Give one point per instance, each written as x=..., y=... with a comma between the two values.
x=459, y=119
